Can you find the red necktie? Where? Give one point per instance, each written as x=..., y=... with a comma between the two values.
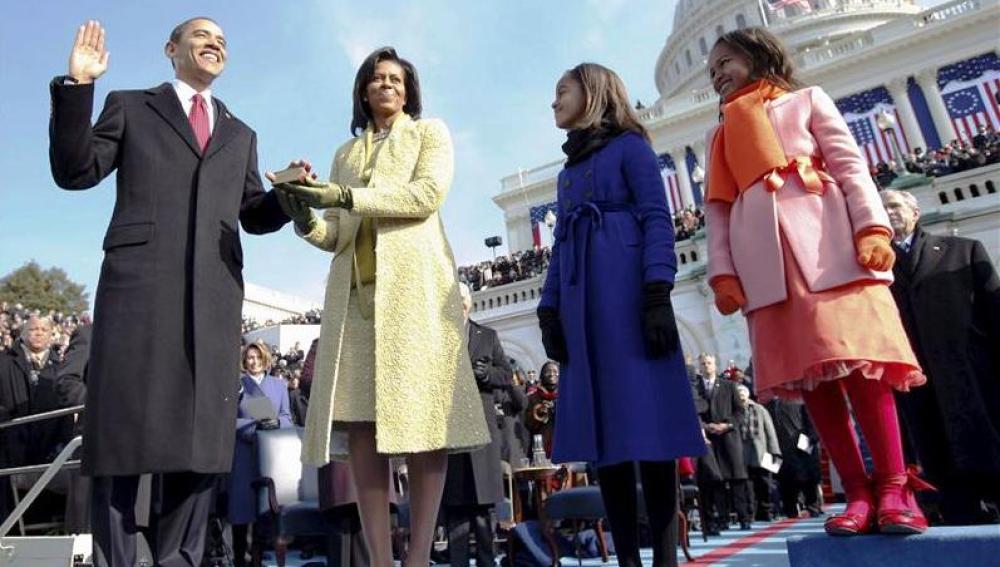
x=199, y=121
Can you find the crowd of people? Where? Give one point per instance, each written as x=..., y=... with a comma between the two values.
x=958, y=155
x=527, y=264
x=311, y=317
x=757, y=468
x=505, y=269
x=13, y=317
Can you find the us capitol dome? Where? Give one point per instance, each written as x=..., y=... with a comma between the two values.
x=932, y=75
x=680, y=67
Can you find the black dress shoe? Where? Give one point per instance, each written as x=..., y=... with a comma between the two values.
x=744, y=526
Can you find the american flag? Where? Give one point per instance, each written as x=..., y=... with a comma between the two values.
x=540, y=237
x=969, y=89
x=670, y=181
x=861, y=111
x=776, y=5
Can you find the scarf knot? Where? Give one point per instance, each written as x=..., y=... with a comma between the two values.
x=745, y=148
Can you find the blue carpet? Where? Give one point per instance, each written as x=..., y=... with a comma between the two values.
x=971, y=546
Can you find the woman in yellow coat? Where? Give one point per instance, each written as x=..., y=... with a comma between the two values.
x=392, y=368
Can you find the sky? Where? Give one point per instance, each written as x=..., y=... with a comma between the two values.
x=487, y=68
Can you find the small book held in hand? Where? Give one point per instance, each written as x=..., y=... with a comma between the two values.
x=289, y=175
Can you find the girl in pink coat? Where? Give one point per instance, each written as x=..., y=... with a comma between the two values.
x=799, y=240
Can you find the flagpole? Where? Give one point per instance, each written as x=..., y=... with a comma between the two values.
x=763, y=13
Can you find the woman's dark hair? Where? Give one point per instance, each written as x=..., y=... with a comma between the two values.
x=362, y=111
x=769, y=58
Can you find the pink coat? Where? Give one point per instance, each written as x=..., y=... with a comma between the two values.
x=743, y=237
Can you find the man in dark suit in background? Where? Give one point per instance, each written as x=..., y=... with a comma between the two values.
x=28, y=386
x=474, y=482
x=720, y=411
x=948, y=295
x=161, y=394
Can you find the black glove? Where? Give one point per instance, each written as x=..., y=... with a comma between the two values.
x=480, y=369
x=659, y=328
x=552, y=334
x=267, y=424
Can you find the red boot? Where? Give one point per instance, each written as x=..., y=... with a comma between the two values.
x=859, y=517
x=898, y=512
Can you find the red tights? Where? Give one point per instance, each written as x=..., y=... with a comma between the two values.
x=875, y=410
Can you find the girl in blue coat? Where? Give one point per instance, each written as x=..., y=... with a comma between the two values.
x=606, y=316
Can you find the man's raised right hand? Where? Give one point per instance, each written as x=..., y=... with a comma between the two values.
x=88, y=60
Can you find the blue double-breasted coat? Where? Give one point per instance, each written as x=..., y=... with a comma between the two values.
x=614, y=234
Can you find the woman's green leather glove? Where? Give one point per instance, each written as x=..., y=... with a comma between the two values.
x=299, y=212
x=320, y=195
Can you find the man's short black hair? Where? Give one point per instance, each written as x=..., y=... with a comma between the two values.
x=175, y=34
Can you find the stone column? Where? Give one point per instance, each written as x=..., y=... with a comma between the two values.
x=907, y=118
x=927, y=80
x=699, y=152
x=683, y=176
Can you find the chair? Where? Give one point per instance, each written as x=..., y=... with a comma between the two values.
x=401, y=531
x=504, y=511
x=688, y=497
x=287, y=490
x=576, y=504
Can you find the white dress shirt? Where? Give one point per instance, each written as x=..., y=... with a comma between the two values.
x=186, y=92
x=907, y=242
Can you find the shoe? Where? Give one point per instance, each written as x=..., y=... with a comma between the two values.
x=859, y=517
x=898, y=511
x=745, y=526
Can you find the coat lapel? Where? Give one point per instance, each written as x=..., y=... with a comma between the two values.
x=225, y=129
x=164, y=102
x=390, y=148
x=926, y=255
x=21, y=360
x=250, y=388
x=903, y=268
x=349, y=224
x=475, y=338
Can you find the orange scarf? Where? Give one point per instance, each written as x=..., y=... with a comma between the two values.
x=745, y=148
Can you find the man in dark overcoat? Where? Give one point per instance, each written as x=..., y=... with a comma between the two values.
x=161, y=392
x=948, y=295
x=474, y=482
x=28, y=374
x=718, y=405
x=800, y=472
x=514, y=436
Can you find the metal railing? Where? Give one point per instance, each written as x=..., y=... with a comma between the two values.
x=49, y=470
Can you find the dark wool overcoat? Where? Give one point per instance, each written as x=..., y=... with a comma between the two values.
x=948, y=295
x=791, y=420
x=20, y=396
x=723, y=406
x=476, y=477
x=162, y=382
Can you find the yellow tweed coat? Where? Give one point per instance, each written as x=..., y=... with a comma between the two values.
x=425, y=392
